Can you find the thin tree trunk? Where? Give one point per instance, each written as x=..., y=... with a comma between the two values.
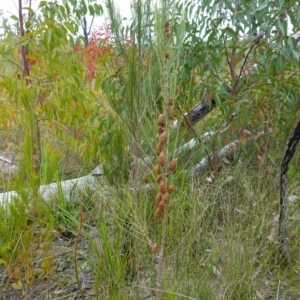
x=283, y=236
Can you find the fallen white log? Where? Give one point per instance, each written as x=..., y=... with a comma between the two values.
x=205, y=164
x=71, y=190
x=194, y=142
x=5, y=160
x=225, y=153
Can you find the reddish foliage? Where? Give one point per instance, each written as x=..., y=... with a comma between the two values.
x=97, y=52
x=77, y=48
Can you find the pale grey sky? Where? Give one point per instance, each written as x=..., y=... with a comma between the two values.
x=10, y=7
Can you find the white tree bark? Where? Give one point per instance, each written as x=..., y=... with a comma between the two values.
x=71, y=190
x=226, y=152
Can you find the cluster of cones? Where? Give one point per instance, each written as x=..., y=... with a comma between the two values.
x=163, y=169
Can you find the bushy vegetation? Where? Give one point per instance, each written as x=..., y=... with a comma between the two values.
x=187, y=109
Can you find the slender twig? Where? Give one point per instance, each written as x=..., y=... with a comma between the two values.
x=160, y=256
x=254, y=44
x=186, y=120
x=75, y=249
x=232, y=69
x=29, y=12
x=13, y=62
x=137, y=134
x=85, y=33
x=91, y=25
x=25, y=65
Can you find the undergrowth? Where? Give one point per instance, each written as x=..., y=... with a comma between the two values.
x=215, y=237
x=222, y=238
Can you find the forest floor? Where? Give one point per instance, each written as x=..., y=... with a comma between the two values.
x=59, y=282
x=236, y=258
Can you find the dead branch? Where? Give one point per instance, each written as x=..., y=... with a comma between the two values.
x=71, y=190
x=5, y=160
x=226, y=152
